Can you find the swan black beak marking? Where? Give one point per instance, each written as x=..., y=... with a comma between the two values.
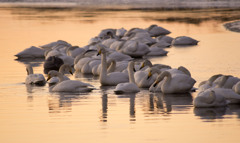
x=155, y=84
x=149, y=75
x=99, y=52
x=142, y=66
x=71, y=72
x=49, y=77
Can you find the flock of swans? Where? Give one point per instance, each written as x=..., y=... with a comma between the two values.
x=111, y=56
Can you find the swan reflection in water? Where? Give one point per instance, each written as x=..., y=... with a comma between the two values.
x=164, y=104
x=211, y=114
x=63, y=102
x=104, y=111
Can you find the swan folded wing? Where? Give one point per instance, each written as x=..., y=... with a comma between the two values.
x=71, y=86
x=56, y=80
x=34, y=78
x=117, y=77
x=127, y=87
x=185, y=83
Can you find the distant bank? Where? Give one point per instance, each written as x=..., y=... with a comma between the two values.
x=129, y=4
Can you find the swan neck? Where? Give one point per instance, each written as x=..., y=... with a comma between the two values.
x=29, y=70
x=131, y=74
x=60, y=76
x=168, y=77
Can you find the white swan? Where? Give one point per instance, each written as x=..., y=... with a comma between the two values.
x=184, y=40
x=176, y=83
x=209, y=98
x=112, y=78
x=128, y=87
x=32, y=52
x=68, y=85
x=35, y=79
x=63, y=69
x=134, y=48
x=120, y=32
x=155, y=30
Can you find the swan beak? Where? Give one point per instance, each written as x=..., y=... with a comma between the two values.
x=155, y=84
x=99, y=52
x=134, y=70
x=71, y=72
x=149, y=75
x=49, y=77
x=142, y=66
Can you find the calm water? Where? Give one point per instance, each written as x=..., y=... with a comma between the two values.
x=33, y=114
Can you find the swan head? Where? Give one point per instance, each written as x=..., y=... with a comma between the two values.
x=160, y=77
x=65, y=68
x=152, y=71
x=101, y=49
x=52, y=73
x=146, y=63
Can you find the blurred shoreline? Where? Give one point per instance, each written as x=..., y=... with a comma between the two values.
x=125, y=4
x=209, y=10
